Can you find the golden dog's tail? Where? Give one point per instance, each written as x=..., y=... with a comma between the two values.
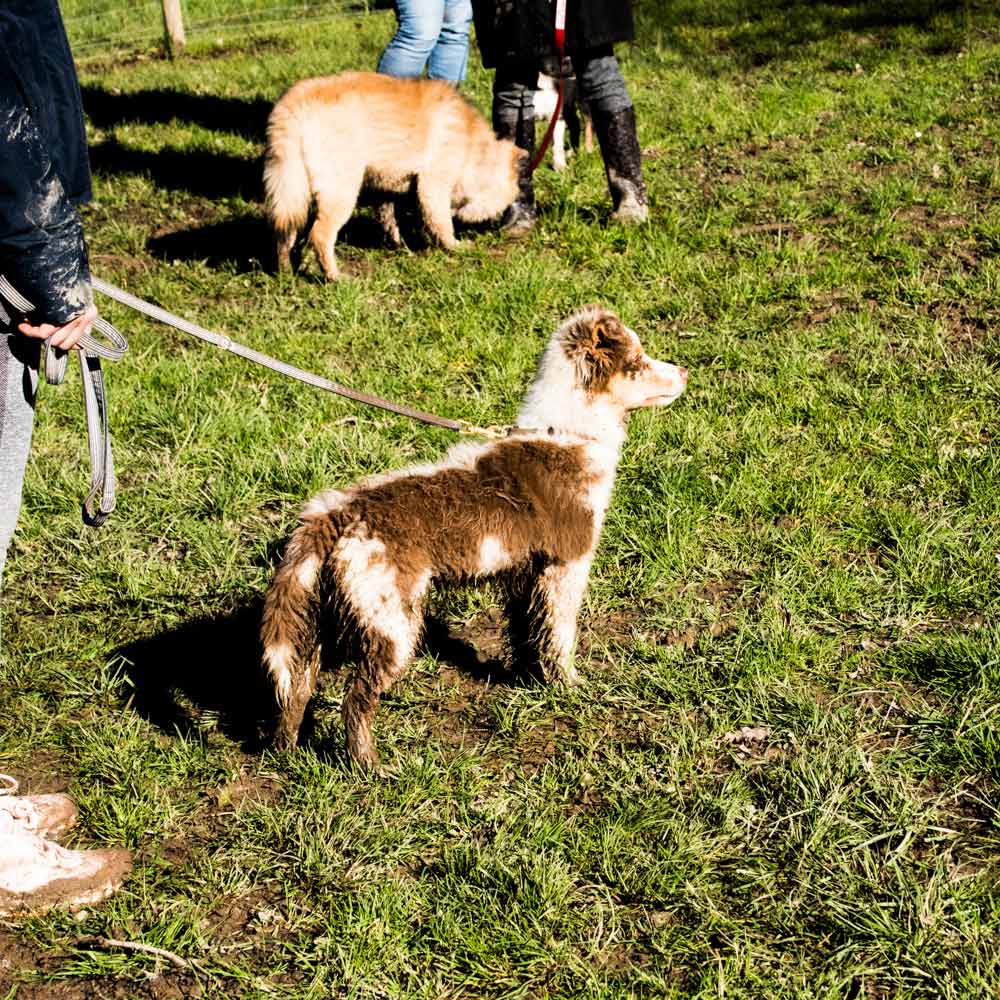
x=287, y=190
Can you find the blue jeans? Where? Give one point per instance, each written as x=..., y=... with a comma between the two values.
x=431, y=33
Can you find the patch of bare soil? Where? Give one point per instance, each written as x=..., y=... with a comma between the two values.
x=136, y=213
x=540, y=744
x=485, y=634
x=628, y=627
x=474, y=662
x=24, y=971
x=920, y=217
x=265, y=788
x=42, y=773
x=255, y=915
x=118, y=263
x=832, y=303
x=964, y=327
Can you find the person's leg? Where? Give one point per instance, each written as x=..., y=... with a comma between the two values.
x=514, y=89
x=18, y=384
x=36, y=874
x=602, y=87
x=450, y=55
x=419, y=26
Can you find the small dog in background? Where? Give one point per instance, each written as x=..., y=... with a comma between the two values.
x=526, y=510
x=573, y=117
x=330, y=136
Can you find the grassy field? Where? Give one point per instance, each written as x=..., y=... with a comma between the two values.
x=780, y=780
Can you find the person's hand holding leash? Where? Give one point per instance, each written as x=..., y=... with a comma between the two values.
x=65, y=337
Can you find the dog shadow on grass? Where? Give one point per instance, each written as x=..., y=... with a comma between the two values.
x=206, y=674
x=245, y=243
x=202, y=675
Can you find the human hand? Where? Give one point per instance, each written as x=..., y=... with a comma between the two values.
x=66, y=336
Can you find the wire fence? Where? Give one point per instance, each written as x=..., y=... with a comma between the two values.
x=102, y=26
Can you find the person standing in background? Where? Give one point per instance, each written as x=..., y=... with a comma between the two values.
x=44, y=174
x=517, y=38
x=432, y=34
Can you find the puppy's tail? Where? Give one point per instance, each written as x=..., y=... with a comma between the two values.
x=290, y=625
x=287, y=191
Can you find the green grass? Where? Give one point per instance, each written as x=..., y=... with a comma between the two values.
x=780, y=780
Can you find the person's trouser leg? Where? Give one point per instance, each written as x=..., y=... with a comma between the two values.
x=602, y=86
x=514, y=89
x=419, y=27
x=450, y=55
x=18, y=384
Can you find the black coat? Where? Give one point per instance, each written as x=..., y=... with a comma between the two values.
x=44, y=170
x=524, y=30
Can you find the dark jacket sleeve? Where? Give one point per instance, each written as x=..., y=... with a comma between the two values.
x=42, y=250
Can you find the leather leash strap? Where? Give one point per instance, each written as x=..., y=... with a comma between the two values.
x=561, y=52
x=227, y=344
x=102, y=480
x=100, y=500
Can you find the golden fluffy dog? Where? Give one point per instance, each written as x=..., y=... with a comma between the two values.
x=329, y=137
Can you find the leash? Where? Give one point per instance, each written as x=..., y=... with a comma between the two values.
x=100, y=500
x=283, y=368
x=560, y=30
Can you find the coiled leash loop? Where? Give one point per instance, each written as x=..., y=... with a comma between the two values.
x=100, y=500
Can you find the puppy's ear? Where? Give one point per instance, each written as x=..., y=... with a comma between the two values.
x=596, y=341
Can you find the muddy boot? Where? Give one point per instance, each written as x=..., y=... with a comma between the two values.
x=42, y=815
x=622, y=163
x=37, y=875
x=520, y=217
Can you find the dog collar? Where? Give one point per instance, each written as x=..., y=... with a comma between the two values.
x=549, y=432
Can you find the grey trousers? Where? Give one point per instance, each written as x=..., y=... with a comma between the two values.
x=598, y=77
x=18, y=384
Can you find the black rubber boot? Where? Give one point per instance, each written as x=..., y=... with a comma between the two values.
x=520, y=218
x=622, y=163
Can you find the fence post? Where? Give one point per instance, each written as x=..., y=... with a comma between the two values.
x=173, y=27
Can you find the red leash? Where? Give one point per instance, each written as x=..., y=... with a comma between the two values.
x=561, y=53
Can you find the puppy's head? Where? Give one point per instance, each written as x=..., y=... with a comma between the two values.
x=609, y=361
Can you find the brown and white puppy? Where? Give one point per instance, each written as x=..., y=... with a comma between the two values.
x=526, y=510
x=330, y=136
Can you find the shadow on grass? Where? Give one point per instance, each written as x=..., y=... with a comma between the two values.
x=212, y=175
x=247, y=244
x=244, y=243
x=246, y=118
x=207, y=673
x=466, y=653
x=761, y=31
x=202, y=674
